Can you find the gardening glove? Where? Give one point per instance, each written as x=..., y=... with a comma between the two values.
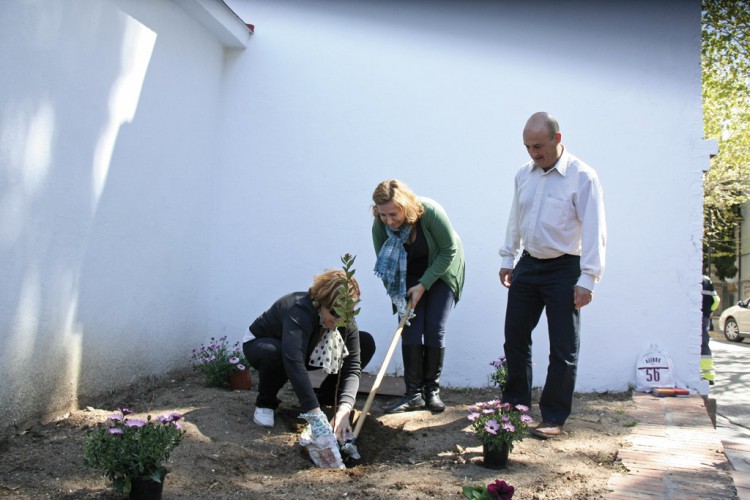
x=342, y=427
x=401, y=308
x=319, y=425
x=317, y=437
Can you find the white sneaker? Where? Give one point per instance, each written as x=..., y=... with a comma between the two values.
x=263, y=417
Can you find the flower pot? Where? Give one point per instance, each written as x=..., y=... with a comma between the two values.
x=145, y=488
x=240, y=381
x=495, y=458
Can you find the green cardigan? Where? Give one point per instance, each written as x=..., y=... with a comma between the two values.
x=445, y=258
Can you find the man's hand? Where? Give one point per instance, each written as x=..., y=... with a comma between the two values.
x=505, y=275
x=581, y=296
x=342, y=427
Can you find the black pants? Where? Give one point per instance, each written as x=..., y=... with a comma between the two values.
x=705, y=337
x=536, y=285
x=264, y=354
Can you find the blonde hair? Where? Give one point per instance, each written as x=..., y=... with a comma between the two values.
x=327, y=286
x=399, y=193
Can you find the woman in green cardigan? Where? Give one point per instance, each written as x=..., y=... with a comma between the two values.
x=421, y=260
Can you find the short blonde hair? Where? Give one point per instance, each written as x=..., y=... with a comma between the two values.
x=328, y=285
x=399, y=193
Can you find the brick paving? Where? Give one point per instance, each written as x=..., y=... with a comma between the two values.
x=673, y=452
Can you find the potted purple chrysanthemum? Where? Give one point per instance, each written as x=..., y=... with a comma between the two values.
x=498, y=425
x=222, y=365
x=132, y=452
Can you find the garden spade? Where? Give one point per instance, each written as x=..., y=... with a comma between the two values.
x=349, y=449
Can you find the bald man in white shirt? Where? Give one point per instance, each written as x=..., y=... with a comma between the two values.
x=557, y=222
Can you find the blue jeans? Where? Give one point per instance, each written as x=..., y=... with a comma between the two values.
x=431, y=316
x=536, y=285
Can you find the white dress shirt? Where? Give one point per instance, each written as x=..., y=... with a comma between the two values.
x=560, y=211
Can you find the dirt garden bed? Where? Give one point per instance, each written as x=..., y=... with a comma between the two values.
x=412, y=455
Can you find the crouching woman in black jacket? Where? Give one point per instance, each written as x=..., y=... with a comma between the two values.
x=297, y=334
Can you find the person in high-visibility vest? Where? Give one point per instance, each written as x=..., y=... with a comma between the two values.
x=710, y=304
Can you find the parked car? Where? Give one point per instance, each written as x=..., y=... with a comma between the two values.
x=735, y=321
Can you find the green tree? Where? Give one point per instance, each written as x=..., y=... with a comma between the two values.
x=726, y=118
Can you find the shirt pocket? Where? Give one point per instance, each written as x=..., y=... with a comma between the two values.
x=555, y=213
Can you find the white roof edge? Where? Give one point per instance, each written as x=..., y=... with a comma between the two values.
x=220, y=20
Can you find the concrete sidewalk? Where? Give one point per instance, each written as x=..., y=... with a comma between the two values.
x=732, y=395
x=674, y=452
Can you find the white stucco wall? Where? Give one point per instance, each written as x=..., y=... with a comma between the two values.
x=157, y=188
x=332, y=97
x=108, y=115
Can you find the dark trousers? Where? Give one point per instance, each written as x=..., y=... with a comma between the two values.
x=431, y=316
x=705, y=337
x=264, y=354
x=536, y=285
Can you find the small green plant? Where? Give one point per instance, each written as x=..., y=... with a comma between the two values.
x=217, y=361
x=496, y=423
x=499, y=490
x=347, y=300
x=124, y=449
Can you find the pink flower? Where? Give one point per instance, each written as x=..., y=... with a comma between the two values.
x=492, y=426
x=135, y=423
x=501, y=490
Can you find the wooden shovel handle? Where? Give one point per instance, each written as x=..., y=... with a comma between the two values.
x=381, y=372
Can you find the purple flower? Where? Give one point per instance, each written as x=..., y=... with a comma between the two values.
x=234, y=360
x=115, y=431
x=522, y=408
x=526, y=419
x=175, y=416
x=473, y=416
x=508, y=427
x=488, y=411
x=241, y=368
x=492, y=427
x=501, y=490
x=126, y=411
x=116, y=417
x=135, y=423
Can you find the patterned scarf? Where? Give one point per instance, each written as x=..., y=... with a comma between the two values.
x=391, y=265
x=330, y=351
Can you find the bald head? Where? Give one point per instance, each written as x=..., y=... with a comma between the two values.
x=542, y=121
x=541, y=136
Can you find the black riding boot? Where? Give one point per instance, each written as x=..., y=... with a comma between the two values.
x=412, y=400
x=433, y=367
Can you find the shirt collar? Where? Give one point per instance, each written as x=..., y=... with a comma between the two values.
x=561, y=166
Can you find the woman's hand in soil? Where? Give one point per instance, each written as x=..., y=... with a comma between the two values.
x=342, y=427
